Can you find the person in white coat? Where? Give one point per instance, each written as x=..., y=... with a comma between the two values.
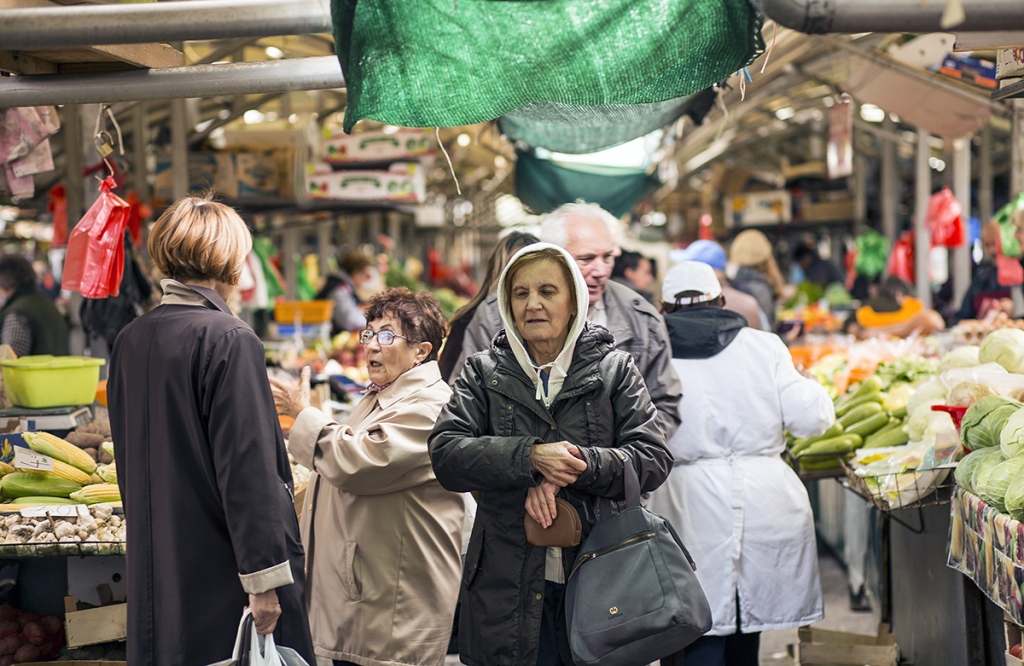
x=743, y=513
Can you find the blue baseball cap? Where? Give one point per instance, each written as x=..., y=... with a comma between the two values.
x=705, y=251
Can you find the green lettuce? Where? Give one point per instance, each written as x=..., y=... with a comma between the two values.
x=1004, y=346
x=983, y=423
x=994, y=481
x=967, y=469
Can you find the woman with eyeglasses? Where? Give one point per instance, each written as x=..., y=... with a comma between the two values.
x=383, y=538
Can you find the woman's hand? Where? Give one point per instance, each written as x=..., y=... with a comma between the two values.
x=265, y=611
x=292, y=397
x=540, y=503
x=560, y=463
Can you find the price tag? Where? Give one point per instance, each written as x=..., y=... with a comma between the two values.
x=28, y=459
x=56, y=510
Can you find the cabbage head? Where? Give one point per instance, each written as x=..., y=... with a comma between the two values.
x=1004, y=346
x=966, y=394
x=967, y=469
x=931, y=392
x=994, y=481
x=961, y=357
x=1015, y=497
x=925, y=424
x=1011, y=439
x=984, y=421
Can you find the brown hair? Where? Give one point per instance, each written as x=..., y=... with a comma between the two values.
x=197, y=239
x=419, y=314
x=500, y=255
x=524, y=260
x=355, y=262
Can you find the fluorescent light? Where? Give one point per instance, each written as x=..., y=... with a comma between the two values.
x=294, y=118
x=253, y=117
x=872, y=113
x=936, y=163
x=274, y=52
x=463, y=140
x=785, y=113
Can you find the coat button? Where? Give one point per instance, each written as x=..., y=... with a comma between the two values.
x=494, y=382
x=554, y=427
x=539, y=596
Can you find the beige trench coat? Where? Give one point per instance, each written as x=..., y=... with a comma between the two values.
x=382, y=537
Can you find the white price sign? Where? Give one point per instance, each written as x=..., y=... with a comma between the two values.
x=56, y=510
x=28, y=459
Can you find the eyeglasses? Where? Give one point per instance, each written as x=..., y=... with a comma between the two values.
x=383, y=337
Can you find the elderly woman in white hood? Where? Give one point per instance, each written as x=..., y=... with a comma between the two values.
x=547, y=412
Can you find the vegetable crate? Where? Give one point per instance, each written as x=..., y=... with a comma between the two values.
x=839, y=648
x=95, y=625
x=906, y=490
x=306, y=312
x=1013, y=637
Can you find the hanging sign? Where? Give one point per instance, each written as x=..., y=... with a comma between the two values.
x=840, y=139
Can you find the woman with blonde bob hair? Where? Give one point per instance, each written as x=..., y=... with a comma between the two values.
x=202, y=466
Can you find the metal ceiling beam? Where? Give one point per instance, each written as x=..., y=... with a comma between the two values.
x=88, y=25
x=270, y=76
x=856, y=16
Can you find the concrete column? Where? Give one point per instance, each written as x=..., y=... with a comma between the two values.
x=985, y=211
x=890, y=182
x=179, y=150
x=289, y=255
x=860, y=191
x=922, y=192
x=1017, y=148
x=140, y=131
x=324, y=232
x=71, y=120
x=962, y=189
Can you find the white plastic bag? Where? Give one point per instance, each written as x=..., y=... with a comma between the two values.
x=253, y=649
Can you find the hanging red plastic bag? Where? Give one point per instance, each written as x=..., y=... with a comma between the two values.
x=944, y=219
x=94, y=264
x=901, y=260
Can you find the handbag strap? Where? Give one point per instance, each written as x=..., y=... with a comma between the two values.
x=604, y=506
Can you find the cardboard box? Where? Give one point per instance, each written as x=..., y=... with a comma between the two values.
x=839, y=648
x=759, y=208
x=827, y=211
x=405, y=182
x=973, y=70
x=1013, y=636
x=1013, y=80
x=293, y=149
x=257, y=176
x=1009, y=63
x=379, y=146
x=728, y=180
x=96, y=625
x=205, y=171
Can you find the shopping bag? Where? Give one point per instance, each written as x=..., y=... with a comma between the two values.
x=944, y=219
x=253, y=649
x=901, y=259
x=94, y=263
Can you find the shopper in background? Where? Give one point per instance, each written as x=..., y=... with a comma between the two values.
x=590, y=234
x=201, y=462
x=342, y=287
x=985, y=288
x=547, y=411
x=383, y=538
x=895, y=312
x=743, y=513
x=634, y=270
x=500, y=255
x=757, y=273
x=711, y=253
x=816, y=270
x=29, y=321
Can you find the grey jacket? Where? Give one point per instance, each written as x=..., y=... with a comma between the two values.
x=482, y=441
x=637, y=328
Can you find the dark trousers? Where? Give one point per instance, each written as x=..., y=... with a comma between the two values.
x=554, y=634
x=737, y=649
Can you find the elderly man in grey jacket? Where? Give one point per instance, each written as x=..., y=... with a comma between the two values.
x=590, y=234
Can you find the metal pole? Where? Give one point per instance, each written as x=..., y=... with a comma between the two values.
x=856, y=16
x=962, y=190
x=324, y=231
x=922, y=239
x=72, y=124
x=890, y=178
x=140, y=130
x=289, y=257
x=179, y=150
x=1017, y=148
x=86, y=25
x=244, y=78
x=860, y=191
x=985, y=175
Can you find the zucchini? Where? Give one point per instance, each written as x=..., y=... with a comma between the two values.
x=868, y=426
x=836, y=445
x=799, y=445
x=860, y=413
x=894, y=437
x=857, y=402
x=900, y=413
x=20, y=484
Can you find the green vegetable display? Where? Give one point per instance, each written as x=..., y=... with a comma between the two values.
x=968, y=468
x=1004, y=346
x=994, y=481
x=961, y=357
x=984, y=421
x=1014, y=499
x=1011, y=438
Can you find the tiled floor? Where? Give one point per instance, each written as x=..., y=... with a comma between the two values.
x=838, y=616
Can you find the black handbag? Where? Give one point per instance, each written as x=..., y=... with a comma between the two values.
x=632, y=596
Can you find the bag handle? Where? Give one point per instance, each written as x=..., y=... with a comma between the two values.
x=630, y=480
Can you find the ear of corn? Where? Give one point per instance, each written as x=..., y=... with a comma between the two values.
x=96, y=478
x=108, y=447
x=62, y=470
x=95, y=494
x=19, y=484
x=59, y=449
x=108, y=472
x=5, y=469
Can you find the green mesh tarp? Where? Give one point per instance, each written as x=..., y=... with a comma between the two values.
x=427, y=63
x=543, y=186
x=564, y=128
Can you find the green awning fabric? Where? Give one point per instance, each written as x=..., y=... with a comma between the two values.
x=427, y=63
x=543, y=186
x=564, y=128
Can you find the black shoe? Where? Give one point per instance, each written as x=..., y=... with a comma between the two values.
x=860, y=602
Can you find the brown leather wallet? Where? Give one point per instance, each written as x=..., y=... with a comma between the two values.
x=564, y=532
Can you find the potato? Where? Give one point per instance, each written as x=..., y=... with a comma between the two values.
x=9, y=645
x=7, y=660
x=9, y=628
x=26, y=653
x=46, y=651
x=93, y=452
x=52, y=626
x=104, y=458
x=34, y=633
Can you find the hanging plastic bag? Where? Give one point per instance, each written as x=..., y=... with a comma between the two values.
x=94, y=264
x=944, y=219
x=253, y=649
x=901, y=261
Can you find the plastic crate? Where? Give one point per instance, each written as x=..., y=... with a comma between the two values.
x=39, y=382
x=307, y=312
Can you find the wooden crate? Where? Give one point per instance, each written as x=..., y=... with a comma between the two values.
x=1013, y=636
x=96, y=625
x=839, y=648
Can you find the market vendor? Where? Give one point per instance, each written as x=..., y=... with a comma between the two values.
x=993, y=278
x=31, y=323
x=894, y=312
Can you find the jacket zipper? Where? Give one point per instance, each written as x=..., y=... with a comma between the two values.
x=604, y=551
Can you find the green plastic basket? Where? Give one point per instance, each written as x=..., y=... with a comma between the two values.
x=38, y=382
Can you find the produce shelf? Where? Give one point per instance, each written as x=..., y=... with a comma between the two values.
x=79, y=549
x=916, y=489
x=815, y=474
